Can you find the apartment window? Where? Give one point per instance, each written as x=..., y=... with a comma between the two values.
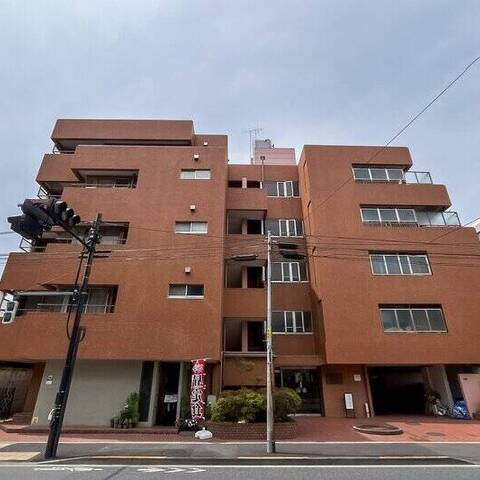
x=189, y=174
x=412, y=319
x=282, y=189
x=388, y=215
x=400, y=264
x=378, y=174
x=191, y=227
x=291, y=322
x=182, y=290
x=289, y=272
x=288, y=227
x=100, y=300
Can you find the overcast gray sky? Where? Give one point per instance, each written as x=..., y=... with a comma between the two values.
x=308, y=72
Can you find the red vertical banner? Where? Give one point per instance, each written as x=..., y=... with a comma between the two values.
x=197, y=390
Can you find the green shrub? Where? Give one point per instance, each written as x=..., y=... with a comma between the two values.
x=249, y=405
x=287, y=401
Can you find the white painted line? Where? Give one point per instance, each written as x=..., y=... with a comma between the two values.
x=281, y=442
x=36, y=465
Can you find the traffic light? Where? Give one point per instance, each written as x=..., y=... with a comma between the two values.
x=10, y=311
x=39, y=217
x=26, y=226
x=61, y=213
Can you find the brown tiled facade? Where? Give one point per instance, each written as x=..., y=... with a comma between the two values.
x=161, y=185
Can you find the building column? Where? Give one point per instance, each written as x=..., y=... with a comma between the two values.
x=152, y=409
x=438, y=380
x=181, y=374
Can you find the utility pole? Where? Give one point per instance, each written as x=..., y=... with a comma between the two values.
x=78, y=332
x=270, y=405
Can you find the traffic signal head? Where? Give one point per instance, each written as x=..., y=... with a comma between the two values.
x=26, y=226
x=61, y=213
x=38, y=212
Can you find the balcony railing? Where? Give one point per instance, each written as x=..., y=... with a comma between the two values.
x=103, y=185
x=424, y=219
x=28, y=246
x=364, y=174
x=63, y=308
x=43, y=194
x=418, y=177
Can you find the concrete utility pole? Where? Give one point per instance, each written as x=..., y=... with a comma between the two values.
x=270, y=406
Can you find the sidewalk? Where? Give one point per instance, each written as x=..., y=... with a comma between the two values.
x=310, y=429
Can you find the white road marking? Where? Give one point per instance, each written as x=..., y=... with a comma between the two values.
x=35, y=465
x=76, y=468
x=169, y=470
x=246, y=442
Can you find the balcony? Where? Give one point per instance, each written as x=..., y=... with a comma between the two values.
x=244, y=302
x=367, y=174
x=418, y=177
x=110, y=234
x=246, y=199
x=68, y=134
x=245, y=222
x=99, y=300
x=245, y=274
x=408, y=217
x=244, y=337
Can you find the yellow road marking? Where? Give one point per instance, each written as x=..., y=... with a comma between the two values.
x=12, y=456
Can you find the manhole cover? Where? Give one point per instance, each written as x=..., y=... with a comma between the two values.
x=378, y=429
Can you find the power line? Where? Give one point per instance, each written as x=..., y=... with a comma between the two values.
x=405, y=127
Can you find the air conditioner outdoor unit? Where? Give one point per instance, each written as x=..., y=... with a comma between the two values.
x=8, y=315
x=196, y=157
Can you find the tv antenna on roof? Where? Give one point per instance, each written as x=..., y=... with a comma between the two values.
x=252, y=132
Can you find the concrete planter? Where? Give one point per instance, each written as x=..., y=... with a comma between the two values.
x=251, y=431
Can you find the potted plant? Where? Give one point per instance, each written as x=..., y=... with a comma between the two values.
x=130, y=414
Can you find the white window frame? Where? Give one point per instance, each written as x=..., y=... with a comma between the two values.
x=284, y=183
x=410, y=310
x=294, y=313
x=191, y=232
x=287, y=223
x=398, y=255
x=395, y=209
x=290, y=272
x=194, y=171
x=374, y=180
x=185, y=296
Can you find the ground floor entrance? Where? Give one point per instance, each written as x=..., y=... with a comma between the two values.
x=398, y=390
x=19, y=384
x=306, y=382
x=168, y=393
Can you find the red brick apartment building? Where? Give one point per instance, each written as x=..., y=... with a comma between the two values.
x=385, y=306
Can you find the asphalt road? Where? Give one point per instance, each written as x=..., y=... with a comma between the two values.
x=195, y=451
x=232, y=472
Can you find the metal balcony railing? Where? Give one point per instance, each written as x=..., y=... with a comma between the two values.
x=42, y=194
x=418, y=177
x=113, y=184
x=28, y=246
x=63, y=308
x=424, y=219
